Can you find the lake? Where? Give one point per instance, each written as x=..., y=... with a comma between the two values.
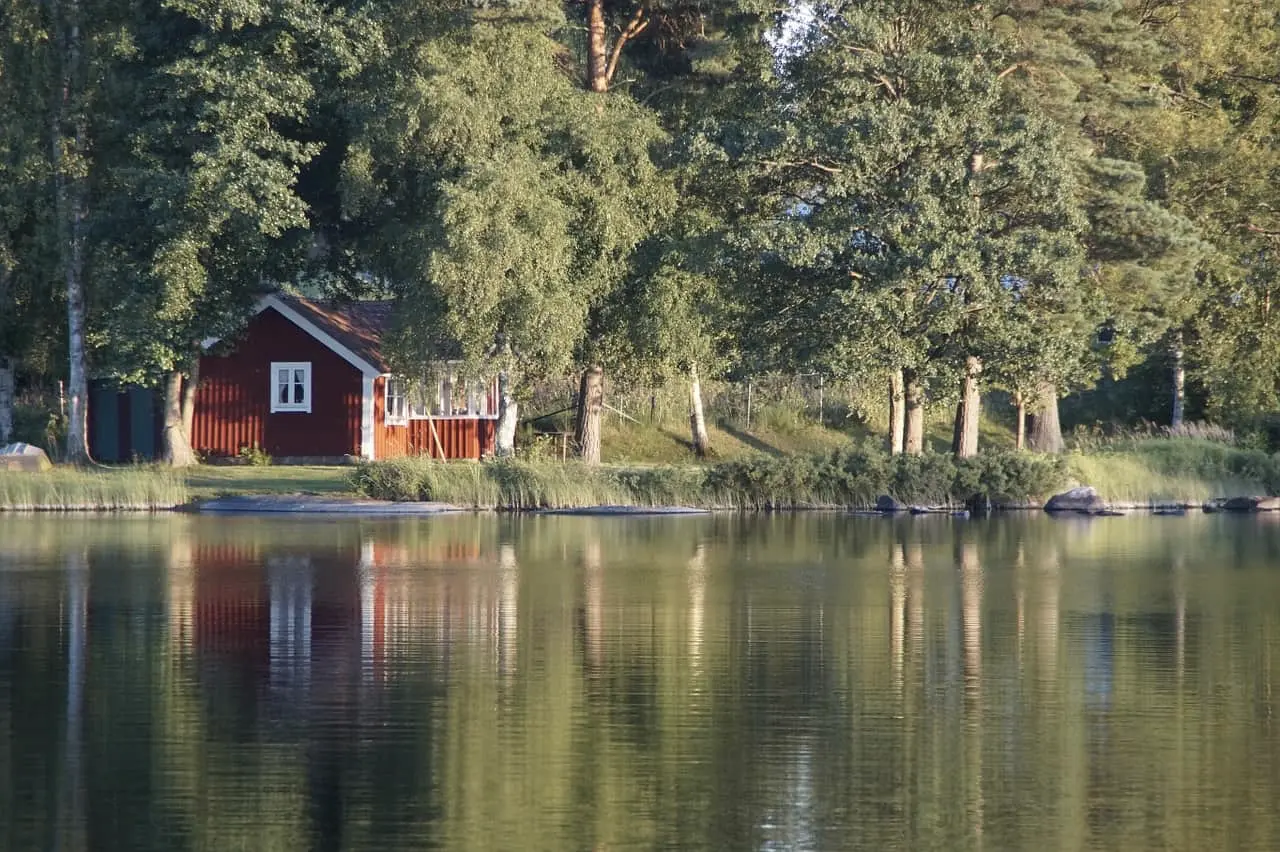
x=766, y=682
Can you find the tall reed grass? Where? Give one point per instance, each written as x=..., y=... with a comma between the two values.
x=65, y=489
x=849, y=478
x=1175, y=469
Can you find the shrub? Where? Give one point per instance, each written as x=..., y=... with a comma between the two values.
x=254, y=456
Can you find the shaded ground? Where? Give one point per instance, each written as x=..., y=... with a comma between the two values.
x=207, y=481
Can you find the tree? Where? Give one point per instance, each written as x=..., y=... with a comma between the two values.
x=205, y=126
x=30, y=338
x=497, y=197
x=904, y=205
x=1096, y=68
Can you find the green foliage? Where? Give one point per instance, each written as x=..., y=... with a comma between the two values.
x=254, y=456
x=499, y=199
x=851, y=478
x=39, y=426
x=898, y=203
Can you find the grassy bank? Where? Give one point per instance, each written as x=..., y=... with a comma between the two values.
x=67, y=489
x=1181, y=470
x=1152, y=471
x=1144, y=470
x=851, y=478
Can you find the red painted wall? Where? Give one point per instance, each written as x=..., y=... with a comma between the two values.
x=233, y=399
x=461, y=437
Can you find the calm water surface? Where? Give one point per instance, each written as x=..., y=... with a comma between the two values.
x=764, y=683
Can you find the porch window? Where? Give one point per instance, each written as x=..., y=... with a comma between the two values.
x=291, y=386
x=450, y=396
x=397, y=401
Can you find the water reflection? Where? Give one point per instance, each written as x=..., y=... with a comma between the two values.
x=790, y=682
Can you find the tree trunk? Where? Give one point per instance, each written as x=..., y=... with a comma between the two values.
x=590, y=405
x=177, y=446
x=6, y=400
x=697, y=422
x=897, y=412
x=597, y=48
x=1046, y=430
x=504, y=442
x=1179, y=382
x=965, y=440
x=70, y=196
x=189, y=386
x=1020, y=430
x=913, y=405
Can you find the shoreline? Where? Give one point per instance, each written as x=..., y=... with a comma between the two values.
x=293, y=505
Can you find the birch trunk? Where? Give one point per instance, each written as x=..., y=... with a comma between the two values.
x=1020, y=430
x=697, y=420
x=6, y=400
x=177, y=447
x=1046, y=430
x=913, y=405
x=69, y=187
x=597, y=48
x=504, y=442
x=965, y=440
x=1179, y=383
x=590, y=406
x=897, y=412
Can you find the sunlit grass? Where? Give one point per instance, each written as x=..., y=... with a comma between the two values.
x=69, y=489
x=1169, y=470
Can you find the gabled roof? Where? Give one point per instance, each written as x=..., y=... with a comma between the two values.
x=358, y=327
x=352, y=330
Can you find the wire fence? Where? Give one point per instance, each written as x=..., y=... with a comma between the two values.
x=772, y=400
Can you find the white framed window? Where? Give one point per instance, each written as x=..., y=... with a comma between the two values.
x=291, y=386
x=397, y=401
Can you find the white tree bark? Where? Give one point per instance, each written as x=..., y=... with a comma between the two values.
x=913, y=403
x=1045, y=434
x=897, y=412
x=697, y=420
x=72, y=210
x=177, y=443
x=1179, y=383
x=1020, y=427
x=504, y=442
x=965, y=441
x=590, y=409
x=6, y=400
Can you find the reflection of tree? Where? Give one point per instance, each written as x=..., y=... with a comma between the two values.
x=800, y=680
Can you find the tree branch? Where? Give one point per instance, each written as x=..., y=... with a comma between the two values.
x=634, y=27
x=800, y=164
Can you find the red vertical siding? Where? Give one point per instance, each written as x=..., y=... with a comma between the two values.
x=461, y=437
x=233, y=399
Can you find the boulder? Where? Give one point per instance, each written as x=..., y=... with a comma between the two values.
x=885, y=503
x=23, y=457
x=1083, y=499
x=1251, y=504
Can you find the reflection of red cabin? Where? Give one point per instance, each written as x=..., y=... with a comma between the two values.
x=231, y=610
x=309, y=380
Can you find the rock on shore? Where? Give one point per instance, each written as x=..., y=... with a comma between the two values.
x=1084, y=500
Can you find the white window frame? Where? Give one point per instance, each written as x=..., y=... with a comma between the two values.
x=439, y=401
x=278, y=407
x=397, y=415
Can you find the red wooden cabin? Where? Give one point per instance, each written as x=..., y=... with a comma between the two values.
x=307, y=380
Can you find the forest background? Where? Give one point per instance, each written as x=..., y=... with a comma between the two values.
x=1064, y=207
